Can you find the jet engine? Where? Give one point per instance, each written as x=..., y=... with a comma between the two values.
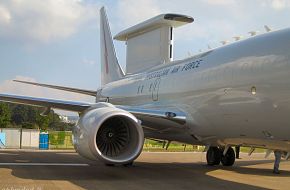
x=109, y=134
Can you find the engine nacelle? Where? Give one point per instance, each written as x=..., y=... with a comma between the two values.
x=108, y=134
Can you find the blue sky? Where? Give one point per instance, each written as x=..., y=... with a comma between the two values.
x=57, y=41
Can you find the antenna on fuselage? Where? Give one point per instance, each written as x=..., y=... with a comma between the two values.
x=224, y=42
x=237, y=38
x=253, y=33
x=267, y=28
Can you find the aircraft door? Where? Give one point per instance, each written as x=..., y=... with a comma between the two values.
x=155, y=89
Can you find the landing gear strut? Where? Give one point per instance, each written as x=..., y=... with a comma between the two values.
x=237, y=152
x=215, y=155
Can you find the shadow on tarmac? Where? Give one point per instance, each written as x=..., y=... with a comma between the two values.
x=143, y=175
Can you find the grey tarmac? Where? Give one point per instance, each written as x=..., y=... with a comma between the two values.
x=41, y=170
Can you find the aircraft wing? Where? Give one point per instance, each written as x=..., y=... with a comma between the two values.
x=170, y=114
x=156, y=119
x=64, y=88
x=45, y=102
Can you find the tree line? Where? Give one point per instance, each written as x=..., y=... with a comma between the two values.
x=28, y=117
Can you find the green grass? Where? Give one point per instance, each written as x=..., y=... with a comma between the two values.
x=153, y=146
x=60, y=140
x=257, y=150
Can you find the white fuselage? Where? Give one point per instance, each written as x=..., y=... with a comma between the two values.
x=236, y=94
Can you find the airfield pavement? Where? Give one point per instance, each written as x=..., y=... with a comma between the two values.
x=41, y=170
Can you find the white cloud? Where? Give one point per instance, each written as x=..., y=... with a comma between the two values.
x=132, y=12
x=219, y=2
x=279, y=4
x=44, y=21
x=5, y=16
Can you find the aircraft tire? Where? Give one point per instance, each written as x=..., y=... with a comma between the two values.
x=213, y=156
x=229, y=158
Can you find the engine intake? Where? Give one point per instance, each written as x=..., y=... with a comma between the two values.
x=109, y=134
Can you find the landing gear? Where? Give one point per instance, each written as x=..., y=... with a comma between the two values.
x=237, y=152
x=213, y=156
x=229, y=158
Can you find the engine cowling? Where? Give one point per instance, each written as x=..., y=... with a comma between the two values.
x=109, y=134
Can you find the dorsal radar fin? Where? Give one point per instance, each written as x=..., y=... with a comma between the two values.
x=150, y=43
x=110, y=68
